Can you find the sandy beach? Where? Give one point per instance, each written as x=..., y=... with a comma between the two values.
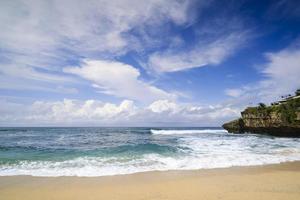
x=280, y=181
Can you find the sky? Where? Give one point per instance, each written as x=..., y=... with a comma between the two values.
x=144, y=63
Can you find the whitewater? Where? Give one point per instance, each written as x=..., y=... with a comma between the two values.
x=112, y=151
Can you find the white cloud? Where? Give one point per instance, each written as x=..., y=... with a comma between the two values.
x=98, y=25
x=284, y=9
x=21, y=83
x=70, y=111
x=58, y=32
x=162, y=106
x=92, y=112
x=118, y=79
x=283, y=70
x=203, y=54
x=233, y=92
x=38, y=38
x=19, y=71
x=280, y=77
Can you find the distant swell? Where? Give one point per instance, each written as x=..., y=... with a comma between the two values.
x=177, y=132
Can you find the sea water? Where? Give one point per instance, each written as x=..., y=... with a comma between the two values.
x=113, y=151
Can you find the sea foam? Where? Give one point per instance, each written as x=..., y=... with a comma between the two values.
x=106, y=152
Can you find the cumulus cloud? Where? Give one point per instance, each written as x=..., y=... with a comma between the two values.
x=93, y=112
x=74, y=111
x=118, y=79
x=39, y=39
x=162, y=106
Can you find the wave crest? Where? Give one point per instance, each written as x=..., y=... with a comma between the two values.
x=178, y=132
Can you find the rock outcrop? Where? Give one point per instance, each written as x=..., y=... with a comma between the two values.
x=279, y=119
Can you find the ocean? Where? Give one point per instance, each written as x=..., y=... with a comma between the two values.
x=111, y=151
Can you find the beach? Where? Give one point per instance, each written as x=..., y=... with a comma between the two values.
x=149, y=100
x=280, y=181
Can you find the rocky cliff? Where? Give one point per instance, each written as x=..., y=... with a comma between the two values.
x=279, y=119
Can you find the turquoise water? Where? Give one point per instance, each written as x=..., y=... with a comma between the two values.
x=111, y=151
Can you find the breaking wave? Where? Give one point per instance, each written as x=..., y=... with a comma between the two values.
x=188, y=131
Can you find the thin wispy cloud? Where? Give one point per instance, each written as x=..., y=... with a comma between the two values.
x=38, y=38
x=280, y=76
x=169, y=60
x=211, y=53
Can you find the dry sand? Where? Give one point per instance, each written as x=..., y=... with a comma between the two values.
x=264, y=182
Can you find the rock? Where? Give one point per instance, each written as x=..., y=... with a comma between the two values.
x=235, y=126
x=278, y=120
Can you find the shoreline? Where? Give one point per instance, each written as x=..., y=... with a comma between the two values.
x=176, y=171
x=275, y=181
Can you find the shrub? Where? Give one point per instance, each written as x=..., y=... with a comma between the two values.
x=262, y=105
x=297, y=93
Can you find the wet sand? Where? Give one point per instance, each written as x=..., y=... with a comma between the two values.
x=272, y=182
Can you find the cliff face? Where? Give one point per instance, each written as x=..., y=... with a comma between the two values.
x=278, y=120
x=272, y=119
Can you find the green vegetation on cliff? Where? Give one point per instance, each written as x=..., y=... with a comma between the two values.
x=288, y=110
x=281, y=118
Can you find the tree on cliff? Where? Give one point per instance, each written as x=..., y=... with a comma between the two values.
x=262, y=105
x=297, y=93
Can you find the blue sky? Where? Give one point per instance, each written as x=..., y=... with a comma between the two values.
x=144, y=63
